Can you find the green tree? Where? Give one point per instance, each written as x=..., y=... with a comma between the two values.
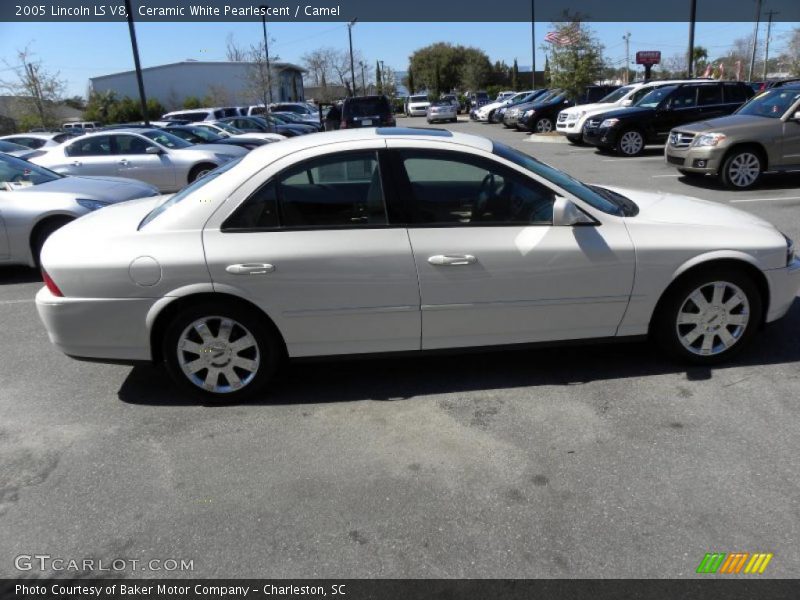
x=578, y=60
x=191, y=102
x=378, y=77
x=452, y=66
x=99, y=106
x=547, y=74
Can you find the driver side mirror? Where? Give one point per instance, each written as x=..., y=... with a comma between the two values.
x=566, y=214
x=627, y=102
x=152, y=150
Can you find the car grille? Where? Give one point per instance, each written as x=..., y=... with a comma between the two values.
x=674, y=160
x=678, y=139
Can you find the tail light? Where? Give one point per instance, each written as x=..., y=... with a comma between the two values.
x=51, y=285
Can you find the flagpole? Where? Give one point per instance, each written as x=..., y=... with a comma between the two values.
x=533, y=45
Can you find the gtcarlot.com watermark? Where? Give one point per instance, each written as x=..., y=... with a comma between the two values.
x=47, y=562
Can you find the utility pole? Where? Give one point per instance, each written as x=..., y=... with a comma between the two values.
x=137, y=65
x=266, y=57
x=352, y=65
x=755, y=41
x=533, y=46
x=627, y=38
x=770, y=14
x=690, y=55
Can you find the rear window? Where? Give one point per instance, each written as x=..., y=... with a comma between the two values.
x=418, y=99
x=366, y=107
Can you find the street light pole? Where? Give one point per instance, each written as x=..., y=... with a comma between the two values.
x=137, y=65
x=266, y=56
x=533, y=46
x=352, y=65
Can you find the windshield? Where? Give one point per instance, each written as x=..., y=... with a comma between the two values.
x=196, y=135
x=418, y=99
x=601, y=201
x=187, y=191
x=15, y=172
x=166, y=139
x=225, y=127
x=654, y=98
x=12, y=147
x=772, y=104
x=616, y=95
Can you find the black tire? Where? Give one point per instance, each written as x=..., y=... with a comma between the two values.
x=623, y=148
x=667, y=332
x=745, y=178
x=545, y=123
x=42, y=232
x=199, y=170
x=269, y=349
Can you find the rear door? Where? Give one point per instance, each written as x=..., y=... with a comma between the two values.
x=710, y=102
x=91, y=156
x=311, y=246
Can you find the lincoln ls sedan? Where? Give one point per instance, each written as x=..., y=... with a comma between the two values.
x=402, y=240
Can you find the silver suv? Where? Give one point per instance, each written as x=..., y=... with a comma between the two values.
x=763, y=135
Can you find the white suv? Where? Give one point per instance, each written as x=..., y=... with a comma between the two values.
x=571, y=120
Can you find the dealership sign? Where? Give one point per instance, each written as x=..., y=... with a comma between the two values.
x=648, y=57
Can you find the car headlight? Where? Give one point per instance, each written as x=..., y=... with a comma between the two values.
x=609, y=123
x=789, y=249
x=91, y=204
x=708, y=139
x=530, y=112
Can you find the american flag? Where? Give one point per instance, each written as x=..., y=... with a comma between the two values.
x=565, y=37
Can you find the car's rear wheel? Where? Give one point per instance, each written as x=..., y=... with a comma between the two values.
x=709, y=316
x=741, y=170
x=544, y=125
x=199, y=171
x=227, y=353
x=630, y=143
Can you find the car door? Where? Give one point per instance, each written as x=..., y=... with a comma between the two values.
x=311, y=246
x=134, y=161
x=681, y=108
x=492, y=267
x=710, y=103
x=91, y=155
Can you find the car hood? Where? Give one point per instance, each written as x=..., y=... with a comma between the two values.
x=106, y=189
x=731, y=124
x=686, y=210
x=628, y=111
x=589, y=108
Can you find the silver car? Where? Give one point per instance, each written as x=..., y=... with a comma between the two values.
x=38, y=140
x=151, y=155
x=442, y=110
x=34, y=202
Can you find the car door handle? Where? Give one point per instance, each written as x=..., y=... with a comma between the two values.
x=452, y=260
x=124, y=161
x=250, y=269
x=76, y=163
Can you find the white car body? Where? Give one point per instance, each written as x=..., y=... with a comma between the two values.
x=571, y=120
x=484, y=112
x=418, y=107
x=368, y=288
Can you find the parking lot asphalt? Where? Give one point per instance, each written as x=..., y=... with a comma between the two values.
x=598, y=461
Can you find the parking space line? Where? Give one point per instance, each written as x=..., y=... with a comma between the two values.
x=766, y=199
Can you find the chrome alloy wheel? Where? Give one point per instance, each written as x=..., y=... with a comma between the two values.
x=631, y=143
x=544, y=126
x=713, y=318
x=218, y=354
x=744, y=169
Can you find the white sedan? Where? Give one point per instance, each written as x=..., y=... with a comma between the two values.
x=395, y=240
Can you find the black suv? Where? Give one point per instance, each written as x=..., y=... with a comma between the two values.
x=541, y=117
x=367, y=111
x=650, y=120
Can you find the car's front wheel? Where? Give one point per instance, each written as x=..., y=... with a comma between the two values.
x=226, y=353
x=544, y=125
x=709, y=316
x=630, y=143
x=741, y=170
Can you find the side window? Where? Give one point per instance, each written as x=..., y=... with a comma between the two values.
x=342, y=190
x=451, y=189
x=734, y=94
x=708, y=95
x=685, y=97
x=33, y=143
x=334, y=191
x=99, y=145
x=130, y=144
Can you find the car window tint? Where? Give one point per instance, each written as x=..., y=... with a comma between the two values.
x=98, y=145
x=28, y=142
x=685, y=97
x=259, y=211
x=130, y=144
x=333, y=191
x=451, y=188
x=709, y=94
x=734, y=93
